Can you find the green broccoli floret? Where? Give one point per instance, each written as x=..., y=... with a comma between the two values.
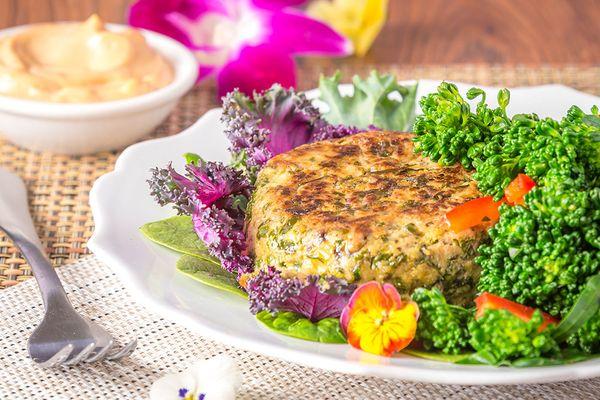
x=447, y=131
x=441, y=325
x=501, y=336
x=543, y=253
x=538, y=255
x=587, y=337
x=543, y=149
x=498, y=147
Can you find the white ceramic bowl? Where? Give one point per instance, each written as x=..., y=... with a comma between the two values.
x=81, y=128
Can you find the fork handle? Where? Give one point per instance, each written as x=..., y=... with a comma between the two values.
x=50, y=286
x=16, y=221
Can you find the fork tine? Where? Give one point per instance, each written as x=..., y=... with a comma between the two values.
x=101, y=353
x=125, y=351
x=83, y=354
x=58, y=358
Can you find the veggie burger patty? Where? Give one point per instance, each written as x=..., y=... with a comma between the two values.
x=362, y=208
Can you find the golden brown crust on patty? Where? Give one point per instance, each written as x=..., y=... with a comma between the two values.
x=364, y=207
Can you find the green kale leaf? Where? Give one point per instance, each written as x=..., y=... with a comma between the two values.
x=378, y=100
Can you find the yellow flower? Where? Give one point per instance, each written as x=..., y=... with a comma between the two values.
x=360, y=20
x=377, y=321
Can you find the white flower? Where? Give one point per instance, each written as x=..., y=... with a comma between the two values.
x=217, y=378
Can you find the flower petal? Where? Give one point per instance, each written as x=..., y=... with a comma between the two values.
x=167, y=387
x=152, y=14
x=277, y=4
x=383, y=332
x=175, y=18
x=296, y=33
x=257, y=68
x=217, y=377
x=360, y=21
x=368, y=296
x=393, y=297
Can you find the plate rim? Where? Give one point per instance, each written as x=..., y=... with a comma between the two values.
x=483, y=375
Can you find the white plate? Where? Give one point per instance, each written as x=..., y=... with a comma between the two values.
x=121, y=204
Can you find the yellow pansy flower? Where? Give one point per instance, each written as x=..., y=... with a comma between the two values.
x=377, y=321
x=359, y=20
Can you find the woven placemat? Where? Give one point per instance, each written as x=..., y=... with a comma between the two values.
x=59, y=185
x=167, y=347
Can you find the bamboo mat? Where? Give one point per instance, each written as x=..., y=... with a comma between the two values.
x=59, y=186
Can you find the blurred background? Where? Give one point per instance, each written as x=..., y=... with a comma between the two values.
x=419, y=31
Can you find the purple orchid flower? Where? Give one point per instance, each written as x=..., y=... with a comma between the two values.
x=246, y=44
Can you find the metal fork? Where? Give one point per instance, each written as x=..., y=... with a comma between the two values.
x=63, y=337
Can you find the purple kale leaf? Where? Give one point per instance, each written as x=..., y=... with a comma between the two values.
x=272, y=122
x=215, y=196
x=326, y=131
x=315, y=298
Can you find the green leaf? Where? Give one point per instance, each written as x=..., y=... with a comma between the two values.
x=192, y=158
x=209, y=274
x=586, y=306
x=436, y=356
x=370, y=104
x=567, y=356
x=503, y=98
x=177, y=233
x=287, y=323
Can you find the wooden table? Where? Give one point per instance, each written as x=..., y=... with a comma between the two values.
x=421, y=31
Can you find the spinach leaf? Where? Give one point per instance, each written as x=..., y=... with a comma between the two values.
x=567, y=356
x=371, y=103
x=586, y=306
x=287, y=323
x=209, y=274
x=436, y=356
x=177, y=233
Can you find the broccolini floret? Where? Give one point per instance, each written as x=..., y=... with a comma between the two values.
x=586, y=337
x=500, y=336
x=540, y=254
x=441, y=325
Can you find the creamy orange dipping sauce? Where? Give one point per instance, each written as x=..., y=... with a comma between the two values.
x=79, y=63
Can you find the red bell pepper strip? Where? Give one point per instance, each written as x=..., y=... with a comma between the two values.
x=488, y=301
x=473, y=212
x=516, y=190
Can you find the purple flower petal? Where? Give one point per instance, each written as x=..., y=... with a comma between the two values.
x=165, y=16
x=256, y=69
x=247, y=43
x=277, y=4
x=296, y=33
x=152, y=15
